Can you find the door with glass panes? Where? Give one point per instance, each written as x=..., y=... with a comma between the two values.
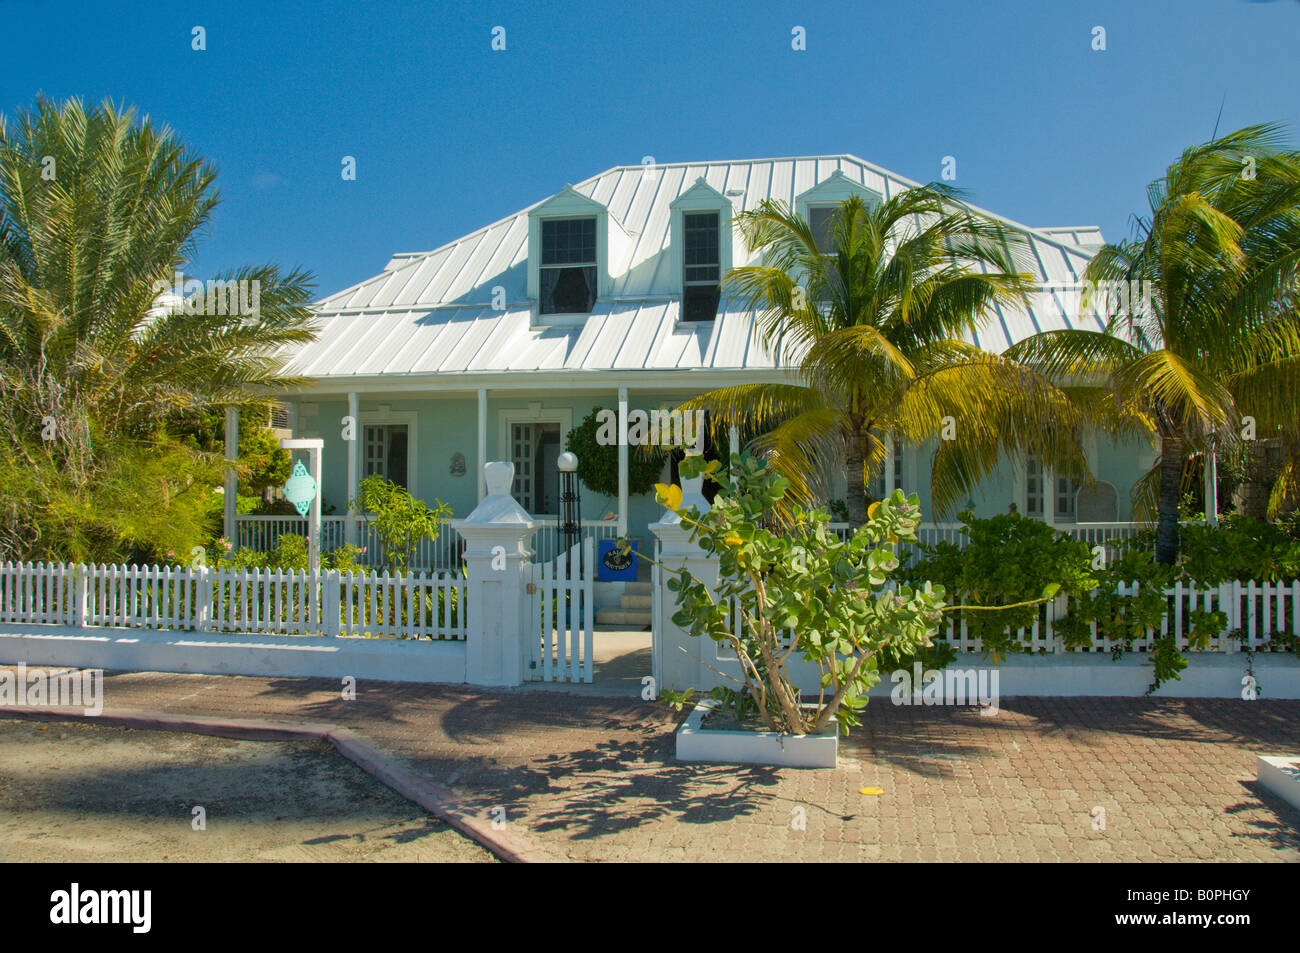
x=535, y=451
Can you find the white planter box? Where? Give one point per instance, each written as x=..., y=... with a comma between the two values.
x=695, y=743
x=1280, y=776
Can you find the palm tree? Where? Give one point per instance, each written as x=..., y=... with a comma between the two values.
x=97, y=212
x=1218, y=253
x=877, y=315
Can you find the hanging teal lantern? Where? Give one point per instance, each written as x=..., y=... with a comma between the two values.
x=301, y=489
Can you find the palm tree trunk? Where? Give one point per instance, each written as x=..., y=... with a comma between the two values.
x=1171, y=480
x=856, y=482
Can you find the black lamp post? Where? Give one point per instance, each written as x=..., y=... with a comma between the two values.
x=570, y=518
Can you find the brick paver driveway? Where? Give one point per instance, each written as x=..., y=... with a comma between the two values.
x=593, y=778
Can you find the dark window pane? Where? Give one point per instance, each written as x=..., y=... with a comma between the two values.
x=568, y=290
x=397, y=455
x=386, y=446
x=569, y=241
x=700, y=254
x=700, y=245
x=700, y=303
x=820, y=220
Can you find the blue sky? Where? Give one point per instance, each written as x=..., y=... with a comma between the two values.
x=449, y=135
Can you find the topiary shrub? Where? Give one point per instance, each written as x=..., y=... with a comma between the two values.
x=598, y=462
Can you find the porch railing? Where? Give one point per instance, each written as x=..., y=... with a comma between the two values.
x=262, y=533
x=1118, y=536
x=546, y=542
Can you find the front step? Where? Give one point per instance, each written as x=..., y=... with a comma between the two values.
x=624, y=618
x=624, y=605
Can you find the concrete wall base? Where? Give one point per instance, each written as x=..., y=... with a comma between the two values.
x=148, y=650
x=1207, y=675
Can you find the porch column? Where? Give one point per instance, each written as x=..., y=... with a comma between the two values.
x=1212, y=489
x=733, y=441
x=889, y=465
x=622, y=461
x=1049, y=495
x=482, y=442
x=350, y=529
x=228, y=526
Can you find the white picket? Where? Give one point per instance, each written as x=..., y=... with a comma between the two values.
x=548, y=654
x=588, y=611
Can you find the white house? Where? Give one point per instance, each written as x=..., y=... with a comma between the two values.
x=493, y=346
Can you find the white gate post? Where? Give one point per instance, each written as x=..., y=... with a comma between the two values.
x=496, y=593
x=354, y=448
x=680, y=670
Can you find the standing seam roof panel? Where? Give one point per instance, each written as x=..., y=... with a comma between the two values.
x=406, y=324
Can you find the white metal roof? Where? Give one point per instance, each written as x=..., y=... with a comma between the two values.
x=430, y=312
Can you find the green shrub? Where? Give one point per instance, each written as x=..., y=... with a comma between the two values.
x=829, y=593
x=1009, y=559
x=598, y=462
x=1239, y=548
x=399, y=519
x=148, y=497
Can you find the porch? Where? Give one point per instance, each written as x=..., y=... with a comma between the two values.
x=433, y=436
x=435, y=439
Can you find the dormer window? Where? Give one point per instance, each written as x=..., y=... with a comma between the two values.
x=575, y=247
x=567, y=271
x=701, y=265
x=701, y=242
x=820, y=220
x=819, y=204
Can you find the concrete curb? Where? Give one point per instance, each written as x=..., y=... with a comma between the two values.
x=428, y=794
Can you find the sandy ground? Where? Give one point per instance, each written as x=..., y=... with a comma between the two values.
x=73, y=792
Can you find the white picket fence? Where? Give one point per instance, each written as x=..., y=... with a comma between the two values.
x=1258, y=609
x=252, y=601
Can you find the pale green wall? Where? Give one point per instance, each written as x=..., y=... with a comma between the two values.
x=444, y=426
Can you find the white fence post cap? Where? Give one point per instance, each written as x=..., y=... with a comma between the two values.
x=498, y=474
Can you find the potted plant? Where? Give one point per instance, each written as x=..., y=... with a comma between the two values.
x=801, y=592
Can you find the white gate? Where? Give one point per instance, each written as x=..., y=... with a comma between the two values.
x=562, y=613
